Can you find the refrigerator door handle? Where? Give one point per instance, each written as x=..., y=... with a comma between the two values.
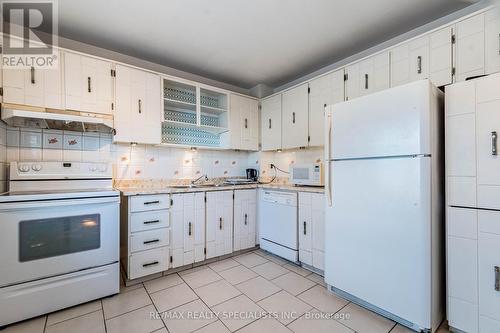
x=328, y=137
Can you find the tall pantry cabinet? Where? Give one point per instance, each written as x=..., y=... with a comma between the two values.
x=473, y=204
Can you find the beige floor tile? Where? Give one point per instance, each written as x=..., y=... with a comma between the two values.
x=191, y=270
x=173, y=297
x=250, y=259
x=217, y=292
x=73, y=312
x=270, y=270
x=138, y=321
x=317, y=278
x=293, y=283
x=162, y=283
x=258, y=288
x=276, y=259
x=297, y=269
x=265, y=325
x=201, y=278
x=121, y=303
x=314, y=322
x=188, y=322
x=287, y=307
x=215, y=327
x=402, y=329
x=322, y=299
x=260, y=252
x=223, y=264
x=364, y=321
x=244, y=309
x=124, y=289
x=161, y=330
x=237, y=274
x=444, y=328
x=91, y=322
x=35, y=325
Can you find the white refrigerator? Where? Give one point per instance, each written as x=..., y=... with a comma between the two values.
x=384, y=246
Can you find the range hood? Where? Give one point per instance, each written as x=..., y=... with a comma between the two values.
x=15, y=116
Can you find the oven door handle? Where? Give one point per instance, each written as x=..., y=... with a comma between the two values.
x=10, y=206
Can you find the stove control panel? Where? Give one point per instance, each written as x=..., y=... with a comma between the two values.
x=59, y=170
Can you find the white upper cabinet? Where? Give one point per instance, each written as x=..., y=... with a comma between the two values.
x=244, y=127
x=441, y=56
x=33, y=86
x=295, y=117
x=325, y=90
x=88, y=83
x=367, y=76
x=137, y=114
x=410, y=61
x=271, y=123
x=492, y=38
x=470, y=47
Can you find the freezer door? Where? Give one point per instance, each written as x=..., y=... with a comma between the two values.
x=394, y=122
x=378, y=234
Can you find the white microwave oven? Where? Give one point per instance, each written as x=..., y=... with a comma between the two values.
x=307, y=174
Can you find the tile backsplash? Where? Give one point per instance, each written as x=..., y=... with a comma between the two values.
x=139, y=162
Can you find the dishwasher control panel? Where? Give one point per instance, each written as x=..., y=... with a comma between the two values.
x=280, y=197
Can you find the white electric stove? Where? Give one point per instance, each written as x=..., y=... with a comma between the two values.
x=59, y=237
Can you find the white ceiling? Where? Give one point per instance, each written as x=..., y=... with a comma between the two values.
x=245, y=42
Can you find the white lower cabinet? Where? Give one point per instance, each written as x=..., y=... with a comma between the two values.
x=312, y=229
x=188, y=228
x=245, y=209
x=145, y=234
x=219, y=223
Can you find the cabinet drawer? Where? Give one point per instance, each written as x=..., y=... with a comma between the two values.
x=149, y=202
x=148, y=262
x=149, y=220
x=152, y=239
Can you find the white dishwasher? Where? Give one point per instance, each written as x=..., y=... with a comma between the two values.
x=278, y=224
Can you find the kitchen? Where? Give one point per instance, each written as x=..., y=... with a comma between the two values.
x=144, y=192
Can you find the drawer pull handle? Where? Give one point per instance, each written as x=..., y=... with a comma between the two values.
x=305, y=226
x=152, y=202
x=89, y=84
x=190, y=229
x=150, y=264
x=497, y=278
x=494, y=137
x=220, y=223
x=246, y=123
x=151, y=222
x=269, y=123
x=32, y=72
x=151, y=241
x=366, y=81
x=246, y=218
x=140, y=106
x=419, y=65
x=293, y=117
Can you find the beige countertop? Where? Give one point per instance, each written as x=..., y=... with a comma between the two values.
x=130, y=191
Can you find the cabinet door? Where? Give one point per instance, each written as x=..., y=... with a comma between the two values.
x=326, y=90
x=487, y=131
x=440, y=56
x=400, y=65
x=188, y=222
x=219, y=223
x=244, y=123
x=374, y=74
x=305, y=228
x=177, y=230
x=38, y=87
x=492, y=38
x=244, y=219
x=199, y=227
x=352, y=83
x=295, y=117
x=489, y=272
x=88, y=84
x=251, y=218
x=419, y=58
x=470, y=47
x=271, y=123
x=137, y=116
x=318, y=228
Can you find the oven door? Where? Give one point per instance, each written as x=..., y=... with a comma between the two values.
x=40, y=239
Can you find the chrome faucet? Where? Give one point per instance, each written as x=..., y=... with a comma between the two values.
x=197, y=179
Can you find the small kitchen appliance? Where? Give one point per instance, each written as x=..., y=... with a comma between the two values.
x=252, y=174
